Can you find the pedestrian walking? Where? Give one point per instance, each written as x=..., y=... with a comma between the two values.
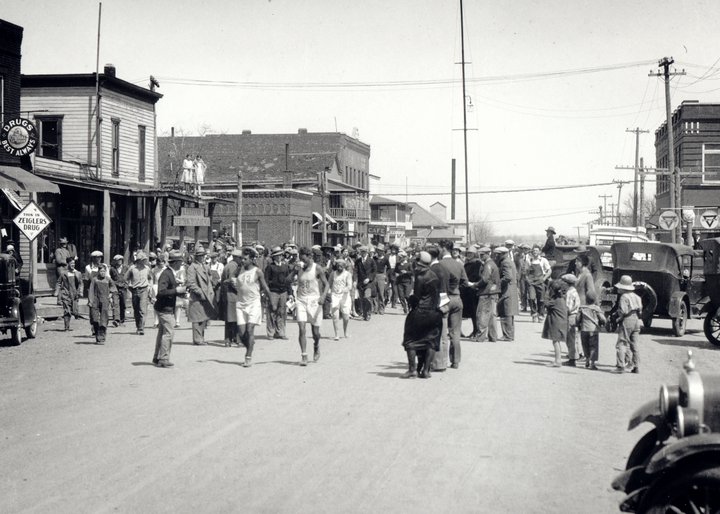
x=277, y=275
x=70, y=290
x=63, y=252
x=424, y=322
x=139, y=278
x=99, y=304
x=341, y=292
x=457, y=279
x=555, y=326
x=404, y=281
x=508, y=303
x=249, y=282
x=311, y=292
x=442, y=355
x=381, y=278
x=117, y=275
x=165, y=303
x=200, y=307
x=629, y=309
x=366, y=270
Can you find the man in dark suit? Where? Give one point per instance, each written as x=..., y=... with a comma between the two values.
x=508, y=306
x=366, y=271
x=200, y=308
x=168, y=291
x=228, y=298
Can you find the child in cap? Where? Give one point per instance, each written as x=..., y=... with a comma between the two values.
x=629, y=308
x=555, y=327
x=589, y=319
x=572, y=301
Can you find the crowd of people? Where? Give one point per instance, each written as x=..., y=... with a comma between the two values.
x=436, y=286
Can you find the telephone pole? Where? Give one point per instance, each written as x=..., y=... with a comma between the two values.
x=675, y=201
x=641, y=210
x=604, y=210
x=612, y=211
x=238, y=229
x=323, y=175
x=620, y=185
x=637, y=132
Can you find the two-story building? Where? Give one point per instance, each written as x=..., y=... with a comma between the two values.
x=696, y=132
x=284, y=177
x=390, y=221
x=97, y=142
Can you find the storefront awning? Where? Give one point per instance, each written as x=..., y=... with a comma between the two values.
x=329, y=219
x=13, y=198
x=17, y=179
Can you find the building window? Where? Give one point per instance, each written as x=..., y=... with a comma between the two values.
x=141, y=153
x=691, y=127
x=115, y=147
x=711, y=163
x=50, y=134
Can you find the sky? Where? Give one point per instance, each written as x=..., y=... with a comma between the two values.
x=551, y=86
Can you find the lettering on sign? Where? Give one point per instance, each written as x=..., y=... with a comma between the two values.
x=193, y=211
x=190, y=221
x=32, y=221
x=18, y=137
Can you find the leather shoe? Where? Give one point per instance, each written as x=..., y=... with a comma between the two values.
x=454, y=365
x=165, y=364
x=570, y=363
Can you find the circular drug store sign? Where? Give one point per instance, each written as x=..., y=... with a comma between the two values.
x=18, y=137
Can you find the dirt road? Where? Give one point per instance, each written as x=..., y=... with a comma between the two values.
x=89, y=428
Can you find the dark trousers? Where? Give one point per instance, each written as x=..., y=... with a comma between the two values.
x=277, y=314
x=230, y=332
x=198, y=332
x=139, y=303
x=455, y=308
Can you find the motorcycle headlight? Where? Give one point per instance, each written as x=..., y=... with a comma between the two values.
x=688, y=421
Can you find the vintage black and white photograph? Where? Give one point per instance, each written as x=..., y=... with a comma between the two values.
x=313, y=256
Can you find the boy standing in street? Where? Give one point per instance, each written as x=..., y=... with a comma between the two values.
x=628, y=319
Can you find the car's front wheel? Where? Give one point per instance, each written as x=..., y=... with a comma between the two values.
x=680, y=323
x=15, y=336
x=31, y=330
x=711, y=327
x=692, y=491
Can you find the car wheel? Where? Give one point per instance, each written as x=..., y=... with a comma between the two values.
x=680, y=323
x=692, y=491
x=15, y=336
x=711, y=327
x=31, y=330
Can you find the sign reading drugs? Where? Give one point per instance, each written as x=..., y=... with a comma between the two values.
x=32, y=221
x=18, y=137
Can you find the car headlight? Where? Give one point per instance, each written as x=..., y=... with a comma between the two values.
x=669, y=400
x=688, y=421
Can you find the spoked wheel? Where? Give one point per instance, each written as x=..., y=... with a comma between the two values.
x=31, y=330
x=711, y=327
x=693, y=492
x=15, y=336
x=680, y=323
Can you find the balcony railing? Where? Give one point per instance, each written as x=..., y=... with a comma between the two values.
x=350, y=214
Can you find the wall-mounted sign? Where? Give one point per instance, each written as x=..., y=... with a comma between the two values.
x=18, y=137
x=190, y=221
x=32, y=220
x=668, y=220
x=377, y=230
x=709, y=219
x=192, y=211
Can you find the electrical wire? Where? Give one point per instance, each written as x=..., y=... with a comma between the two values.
x=527, y=190
x=584, y=211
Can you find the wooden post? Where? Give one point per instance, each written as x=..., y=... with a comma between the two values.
x=239, y=207
x=107, y=231
x=163, y=220
x=181, y=230
x=127, y=251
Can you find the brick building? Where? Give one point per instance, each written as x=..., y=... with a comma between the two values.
x=282, y=183
x=696, y=131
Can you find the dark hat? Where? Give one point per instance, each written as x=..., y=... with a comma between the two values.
x=550, y=229
x=237, y=252
x=249, y=250
x=175, y=255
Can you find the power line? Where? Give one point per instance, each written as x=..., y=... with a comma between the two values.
x=535, y=217
x=528, y=190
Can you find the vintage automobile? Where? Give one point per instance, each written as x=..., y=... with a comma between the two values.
x=711, y=270
x=675, y=467
x=601, y=267
x=668, y=278
x=17, y=303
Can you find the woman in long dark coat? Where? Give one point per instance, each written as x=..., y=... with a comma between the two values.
x=227, y=299
x=423, y=325
x=555, y=328
x=99, y=303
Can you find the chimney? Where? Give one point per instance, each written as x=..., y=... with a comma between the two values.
x=246, y=132
x=302, y=131
x=109, y=70
x=172, y=131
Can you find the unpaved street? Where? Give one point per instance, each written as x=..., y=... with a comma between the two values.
x=89, y=428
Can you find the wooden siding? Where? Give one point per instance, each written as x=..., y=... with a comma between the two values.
x=77, y=107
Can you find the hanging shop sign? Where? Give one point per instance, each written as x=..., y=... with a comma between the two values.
x=18, y=137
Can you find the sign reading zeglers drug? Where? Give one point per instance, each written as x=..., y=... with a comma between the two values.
x=18, y=137
x=32, y=221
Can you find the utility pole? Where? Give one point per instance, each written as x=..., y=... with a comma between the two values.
x=578, y=229
x=612, y=212
x=641, y=210
x=620, y=185
x=637, y=132
x=323, y=178
x=604, y=209
x=238, y=229
x=464, y=99
x=675, y=201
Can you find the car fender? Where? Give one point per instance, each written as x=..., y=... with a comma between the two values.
x=649, y=411
x=710, y=307
x=676, y=299
x=15, y=309
x=672, y=455
x=28, y=310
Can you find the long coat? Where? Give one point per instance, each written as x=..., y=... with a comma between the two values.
x=508, y=302
x=197, y=281
x=228, y=295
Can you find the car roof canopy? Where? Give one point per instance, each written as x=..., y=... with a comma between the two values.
x=711, y=260
x=642, y=256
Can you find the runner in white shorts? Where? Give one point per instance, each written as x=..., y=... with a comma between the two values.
x=341, y=296
x=249, y=307
x=312, y=287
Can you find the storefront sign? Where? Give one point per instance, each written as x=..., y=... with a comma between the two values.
x=32, y=221
x=709, y=219
x=377, y=230
x=193, y=211
x=668, y=220
x=18, y=137
x=190, y=221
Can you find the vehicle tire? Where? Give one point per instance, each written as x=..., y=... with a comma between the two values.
x=711, y=327
x=15, y=337
x=649, y=301
x=685, y=490
x=31, y=330
x=679, y=324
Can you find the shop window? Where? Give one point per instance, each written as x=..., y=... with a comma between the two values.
x=141, y=153
x=115, y=147
x=50, y=134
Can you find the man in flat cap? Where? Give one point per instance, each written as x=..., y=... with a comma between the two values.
x=277, y=275
x=201, y=307
x=508, y=303
x=488, y=287
x=139, y=279
x=168, y=291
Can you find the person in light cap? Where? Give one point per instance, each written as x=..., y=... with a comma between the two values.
x=117, y=275
x=139, y=279
x=508, y=303
x=629, y=310
x=488, y=287
x=404, y=281
x=423, y=325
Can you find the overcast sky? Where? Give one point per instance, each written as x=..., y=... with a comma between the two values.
x=335, y=64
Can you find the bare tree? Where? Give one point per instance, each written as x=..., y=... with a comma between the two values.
x=481, y=229
x=649, y=206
